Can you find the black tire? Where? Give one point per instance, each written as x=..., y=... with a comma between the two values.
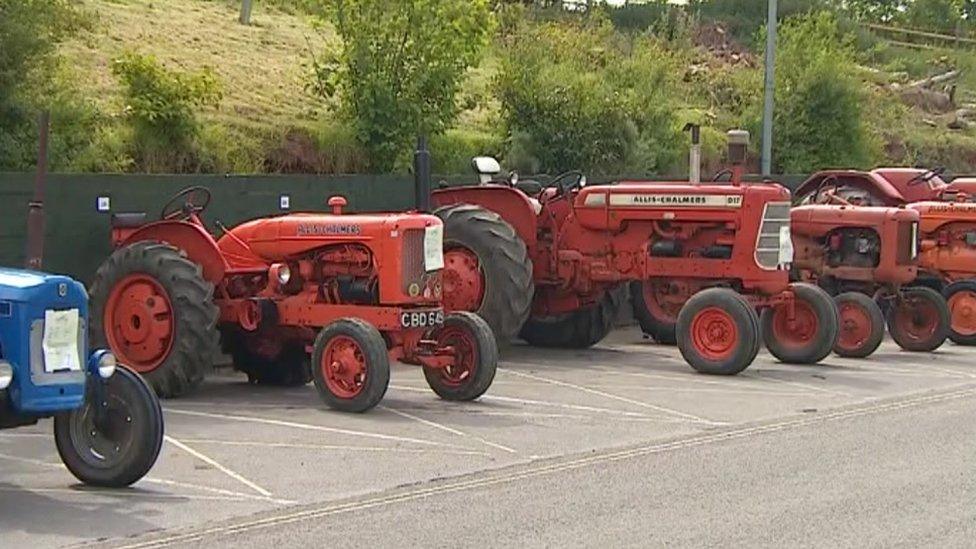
x=819, y=344
x=735, y=311
x=195, y=339
x=966, y=318
x=291, y=368
x=125, y=452
x=855, y=308
x=504, y=263
x=918, y=319
x=371, y=350
x=473, y=338
x=661, y=329
x=579, y=329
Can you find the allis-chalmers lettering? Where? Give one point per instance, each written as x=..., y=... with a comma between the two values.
x=320, y=229
x=676, y=200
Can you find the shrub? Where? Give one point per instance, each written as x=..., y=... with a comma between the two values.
x=400, y=67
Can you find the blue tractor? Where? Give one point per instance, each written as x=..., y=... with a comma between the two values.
x=108, y=425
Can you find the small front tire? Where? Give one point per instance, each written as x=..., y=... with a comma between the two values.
x=718, y=332
x=961, y=298
x=475, y=355
x=862, y=325
x=350, y=365
x=918, y=319
x=811, y=334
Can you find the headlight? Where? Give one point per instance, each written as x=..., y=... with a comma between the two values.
x=6, y=374
x=106, y=365
x=283, y=275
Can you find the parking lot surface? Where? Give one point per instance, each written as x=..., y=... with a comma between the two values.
x=234, y=450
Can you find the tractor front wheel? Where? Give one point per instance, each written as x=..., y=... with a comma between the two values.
x=114, y=439
x=475, y=358
x=809, y=336
x=862, y=325
x=487, y=269
x=918, y=319
x=153, y=308
x=961, y=297
x=718, y=332
x=350, y=365
x=576, y=330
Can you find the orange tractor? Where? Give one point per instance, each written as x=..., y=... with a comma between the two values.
x=358, y=291
x=947, y=229
x=550, y=263
x=866, y=255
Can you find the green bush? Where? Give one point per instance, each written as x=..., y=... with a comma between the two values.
x=161, y=105
x=819, y=121
x=575, y=96
x=400, y=67
x=452, y=151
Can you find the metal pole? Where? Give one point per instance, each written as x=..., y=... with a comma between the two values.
x=246, y=12
x=35, y=208
x=770, y=89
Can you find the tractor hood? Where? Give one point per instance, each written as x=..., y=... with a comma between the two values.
x=830, y=216
x=31, y=286
x=936, y=214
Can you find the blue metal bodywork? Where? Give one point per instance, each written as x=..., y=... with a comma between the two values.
x=25, y=296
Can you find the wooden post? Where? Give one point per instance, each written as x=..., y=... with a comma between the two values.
x=246, y=12
x=35, y=208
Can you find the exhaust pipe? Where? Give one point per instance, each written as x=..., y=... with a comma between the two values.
x=421, y=176
x=738, y=154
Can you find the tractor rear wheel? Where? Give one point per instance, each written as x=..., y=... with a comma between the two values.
x=153, y=308
x=475, y=358
x=918, y=319
x=576, y=330
x=810, y=336
x=350, y=365
x=287, y=365
x=487, y=269
x=718, y=332
x=657, y=317
x=961, y=297
x=862, y=325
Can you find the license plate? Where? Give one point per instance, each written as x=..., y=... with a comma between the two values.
x=422, y=319
x=60, y=342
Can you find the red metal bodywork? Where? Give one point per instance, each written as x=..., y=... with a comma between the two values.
x=589, y=240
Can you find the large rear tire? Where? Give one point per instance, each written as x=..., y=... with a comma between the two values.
x=655, y=318
x=120, y=448
x=350, y=365
x=961, y=298
x=153, y=308
x=812, y=334
x=475, y=358
x=862, y=325
x=579, y=329
x=718, y=332
x=487, y=269
x=918, y=319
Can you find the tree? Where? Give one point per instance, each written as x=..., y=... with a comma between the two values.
x=400, y=67
x=874, y=10
x=939, y=15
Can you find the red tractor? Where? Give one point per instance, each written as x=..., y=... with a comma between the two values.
x=855, y=252
x=947, y=247
x=551, y=262
x=356, y=290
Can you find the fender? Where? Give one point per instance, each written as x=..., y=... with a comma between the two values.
x=511, y=204
x=196, y=242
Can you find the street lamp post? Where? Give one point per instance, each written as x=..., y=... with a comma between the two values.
x=770, y=88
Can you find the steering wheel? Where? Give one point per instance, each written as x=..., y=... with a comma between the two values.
x=195, y=200
x=832, y=198
x=569, y=181
x=925, y=177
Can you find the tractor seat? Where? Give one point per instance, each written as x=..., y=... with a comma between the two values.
x=128, y=220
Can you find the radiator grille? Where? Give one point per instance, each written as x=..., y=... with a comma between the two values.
x=413, y=258
x=775, y=226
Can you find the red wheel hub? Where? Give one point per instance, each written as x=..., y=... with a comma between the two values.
x=714, y=333
x=962, y=312
x=344, y=367
x=139, y=322
x=465, y=363
x=798, y=331
x=917, y=318
x=462, y=280
x=662, y=304
x=855, y=326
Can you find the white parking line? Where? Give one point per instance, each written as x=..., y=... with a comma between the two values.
x=308, y=427
x=451, y=430
x=649, y=406
x=757, y=374
x=87, y=494
x=212, y=462
x=299, y=446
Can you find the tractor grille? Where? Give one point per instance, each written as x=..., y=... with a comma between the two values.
x=775, y=227
x=413, y=259
x=907, y=243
